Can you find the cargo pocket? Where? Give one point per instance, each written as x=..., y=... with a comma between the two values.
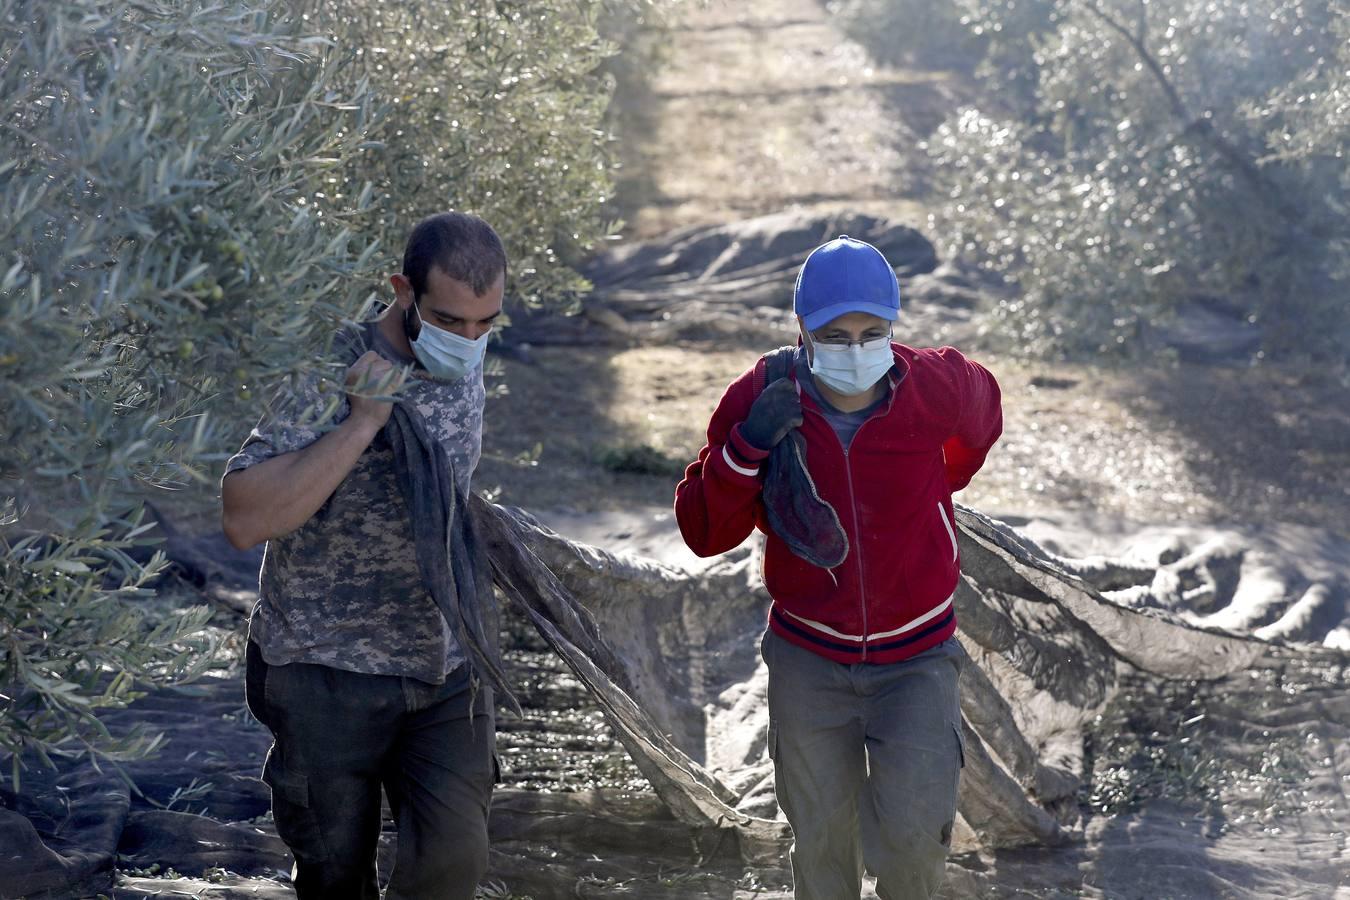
x=960, y=745
x=297, y=824
x=771, y=741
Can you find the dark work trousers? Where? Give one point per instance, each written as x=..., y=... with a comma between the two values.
x=340, y=736
x=866, y=765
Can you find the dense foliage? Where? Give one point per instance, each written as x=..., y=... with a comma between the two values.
x=1134, y=157
x=192, y=195
x=905, y=32
x=496, y=108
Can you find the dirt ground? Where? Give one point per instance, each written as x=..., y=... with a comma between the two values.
x=761, y=106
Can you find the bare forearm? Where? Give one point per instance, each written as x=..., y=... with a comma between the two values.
x=277, y=496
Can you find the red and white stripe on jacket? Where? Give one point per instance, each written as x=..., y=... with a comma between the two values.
x=891, y=598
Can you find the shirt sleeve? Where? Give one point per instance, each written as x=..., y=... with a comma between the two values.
x=978, y=420
x=718, y=503
x=297, y=416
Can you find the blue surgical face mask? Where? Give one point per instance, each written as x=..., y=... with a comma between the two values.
x=851, y=369
x=444, y=354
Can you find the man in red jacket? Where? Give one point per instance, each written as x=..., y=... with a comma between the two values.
x=864, y=708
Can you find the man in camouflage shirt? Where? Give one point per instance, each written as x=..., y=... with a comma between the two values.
x=350, y=662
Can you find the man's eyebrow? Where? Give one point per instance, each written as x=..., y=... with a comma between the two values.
x=840, y=332
x=452, y=318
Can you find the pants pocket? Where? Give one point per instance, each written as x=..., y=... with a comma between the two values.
x=297, y=824
x=255, y=683
x=963, y=660
x=960, y=745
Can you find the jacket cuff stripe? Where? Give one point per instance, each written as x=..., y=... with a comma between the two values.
x=737, y=467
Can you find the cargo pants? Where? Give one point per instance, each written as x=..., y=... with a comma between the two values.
x=339, y=737
x=867, y=760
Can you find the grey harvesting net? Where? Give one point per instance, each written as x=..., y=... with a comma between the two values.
x=671, y=658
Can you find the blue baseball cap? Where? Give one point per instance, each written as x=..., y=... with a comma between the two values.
x=845, y=276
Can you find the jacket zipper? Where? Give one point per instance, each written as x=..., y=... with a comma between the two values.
x=853, y=508
x=857, y=531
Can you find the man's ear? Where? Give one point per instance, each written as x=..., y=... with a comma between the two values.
x=403, y=292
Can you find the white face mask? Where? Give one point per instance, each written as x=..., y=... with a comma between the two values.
x=853, y=368
x=444, y=354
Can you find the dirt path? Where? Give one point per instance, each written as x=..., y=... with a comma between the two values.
x=763, y=106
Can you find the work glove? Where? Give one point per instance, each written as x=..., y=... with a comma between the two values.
x=775, y=412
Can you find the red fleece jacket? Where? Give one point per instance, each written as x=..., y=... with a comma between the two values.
x=892, y=488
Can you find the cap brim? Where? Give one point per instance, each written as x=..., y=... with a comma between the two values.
x=828, y=314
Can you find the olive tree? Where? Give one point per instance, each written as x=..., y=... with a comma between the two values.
x=1142, y=178
x=193, y=195
x=1306, y=122
x=496, y=109
x=158, y=260
x=911, y=32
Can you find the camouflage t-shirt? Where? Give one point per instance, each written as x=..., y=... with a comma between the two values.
x=343, y=590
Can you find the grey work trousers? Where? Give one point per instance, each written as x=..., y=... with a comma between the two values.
x=867, y=760
x=339, y=737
